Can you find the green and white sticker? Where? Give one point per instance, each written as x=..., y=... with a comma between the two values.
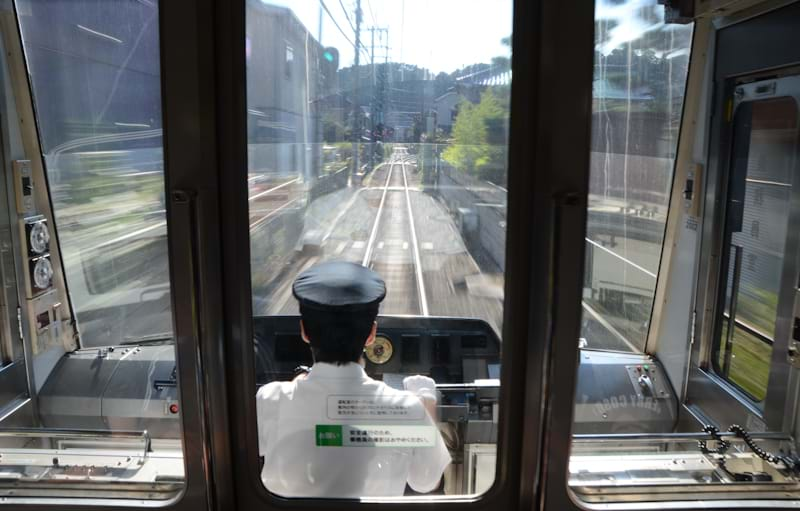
x=376, y=435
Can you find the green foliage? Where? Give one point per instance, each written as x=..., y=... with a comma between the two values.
x=333, y=129
x=479, y=138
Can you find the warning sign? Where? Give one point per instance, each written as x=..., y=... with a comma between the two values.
x=371, y=407
x=343, y=435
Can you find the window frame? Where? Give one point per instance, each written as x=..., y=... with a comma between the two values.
x=719, y=53
x=731, y=62
x=725, y=266
x=554, y=201
x=188, y=112
x=288, y=54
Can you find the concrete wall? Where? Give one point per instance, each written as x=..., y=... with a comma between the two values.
x=467, y=196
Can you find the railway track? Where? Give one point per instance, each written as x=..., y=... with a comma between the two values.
x=392, y=249
x=389, y=244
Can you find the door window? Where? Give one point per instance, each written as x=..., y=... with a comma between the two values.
x=764, y=155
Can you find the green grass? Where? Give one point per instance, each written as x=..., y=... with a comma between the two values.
x=750, y=361
x=758, y=307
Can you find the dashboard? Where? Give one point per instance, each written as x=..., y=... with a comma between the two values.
x=135, y=387
x=451, y=351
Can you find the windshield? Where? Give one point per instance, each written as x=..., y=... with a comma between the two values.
x=393, y=157
x=378, y=136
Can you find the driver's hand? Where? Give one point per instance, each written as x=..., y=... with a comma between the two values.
x=422, y=386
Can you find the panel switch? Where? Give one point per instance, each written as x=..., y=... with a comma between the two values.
x=23, y=187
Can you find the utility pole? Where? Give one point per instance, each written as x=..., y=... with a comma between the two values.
x=377, y=92
x=319, y=30
x=372, y=54
x=373, y=109
x=356, y=78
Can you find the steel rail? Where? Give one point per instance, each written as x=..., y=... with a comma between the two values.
x=374, y=233
x=423, y=298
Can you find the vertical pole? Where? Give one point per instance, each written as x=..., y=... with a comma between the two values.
x=319, y=26
x=372, y=55
x=373, y=109
x=386, y=77
x=737, y=275
x=356, y=78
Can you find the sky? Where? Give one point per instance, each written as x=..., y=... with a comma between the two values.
x=440, y=35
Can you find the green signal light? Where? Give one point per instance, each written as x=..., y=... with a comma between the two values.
x=328, y=56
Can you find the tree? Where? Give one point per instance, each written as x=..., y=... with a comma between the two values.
x=479, y=138
x=469, y=139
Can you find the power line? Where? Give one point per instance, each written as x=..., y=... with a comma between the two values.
x=347, y=16
x=322, y=3
x=363, y=48
x=371, y=14
x=330, y=15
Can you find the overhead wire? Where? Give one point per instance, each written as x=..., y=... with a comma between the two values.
x=372, y=14
x=362, y=48
x=344, y=34
x=330, y=15
x=347, y=15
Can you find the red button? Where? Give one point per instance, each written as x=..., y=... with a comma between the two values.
x=173, y=408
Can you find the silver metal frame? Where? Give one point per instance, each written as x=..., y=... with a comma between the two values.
x=712, y=395
x=706, y=391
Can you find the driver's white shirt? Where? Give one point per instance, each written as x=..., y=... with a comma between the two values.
x=289, y=414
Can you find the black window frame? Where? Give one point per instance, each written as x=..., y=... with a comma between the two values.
x=531, y=297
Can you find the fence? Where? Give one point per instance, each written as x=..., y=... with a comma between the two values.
x=329, y=183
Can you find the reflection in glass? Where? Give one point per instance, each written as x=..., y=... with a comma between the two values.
x=639, y=78
x=377, y=135
x=101, y=420
x=94, y=71
x=759, y=231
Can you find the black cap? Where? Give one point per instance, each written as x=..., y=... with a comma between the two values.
x=339, y=286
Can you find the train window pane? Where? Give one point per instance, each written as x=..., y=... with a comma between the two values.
x=748, y=364
x=625, y=405
x=94, y=71
x=103, y=418
x=377, y=136
x=640, y=68
x=766, y=138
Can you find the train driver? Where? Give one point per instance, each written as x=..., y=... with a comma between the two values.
x=336, y=432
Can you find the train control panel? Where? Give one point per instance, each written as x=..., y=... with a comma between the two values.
x=134, y=387
x=616, y=390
